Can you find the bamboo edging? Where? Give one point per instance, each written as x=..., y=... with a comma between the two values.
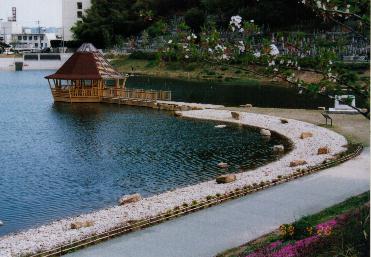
x=184, y=210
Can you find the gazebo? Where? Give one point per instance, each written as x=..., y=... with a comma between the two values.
x=85, y=77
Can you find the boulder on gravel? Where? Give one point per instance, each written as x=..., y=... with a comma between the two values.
x=220, y=126
x=305, y=135
x=223, y=165
x=178, y=114
x=284, y=121
x=265, y=133
x=323, y=150
x=130, y=199
x=235, y=115
x=297, y=163
x=278, y=148
x=246, y=105
x=81, y=224
x=228, y=178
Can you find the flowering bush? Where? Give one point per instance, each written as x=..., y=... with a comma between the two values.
x=280, y=56
x=289, y=248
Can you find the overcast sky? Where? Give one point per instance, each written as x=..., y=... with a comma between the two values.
x=49, y=12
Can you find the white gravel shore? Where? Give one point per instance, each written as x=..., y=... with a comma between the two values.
x=59, y=232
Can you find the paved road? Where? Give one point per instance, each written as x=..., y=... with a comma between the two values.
x=213, y=230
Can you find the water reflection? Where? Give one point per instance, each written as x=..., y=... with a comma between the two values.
x=232, y=94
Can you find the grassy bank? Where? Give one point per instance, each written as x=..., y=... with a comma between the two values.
x=188, y=71
x=352, y=206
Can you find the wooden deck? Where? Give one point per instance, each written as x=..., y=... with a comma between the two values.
x=160, y=100
x=120, y=96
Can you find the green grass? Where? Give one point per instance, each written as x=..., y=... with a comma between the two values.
x=189, y=71
x=335, y=210
x=326, y=214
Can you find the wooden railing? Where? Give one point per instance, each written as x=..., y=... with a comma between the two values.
x=89, y=92
x=140, y=94
x=150, y=95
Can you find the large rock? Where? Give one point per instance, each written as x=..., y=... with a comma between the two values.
x=278, y=148
x=323, y=150
x=246, y=105
x=223, y=165
x=235, y=115
x=297, y=163
x=178, y=114
x=284, y=121
x=130, y=199
x=265, y=133
x=305, y=135
x=81, y=224
x=221, y=126
x=228, y=178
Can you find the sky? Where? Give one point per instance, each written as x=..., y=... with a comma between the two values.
x=49, y=12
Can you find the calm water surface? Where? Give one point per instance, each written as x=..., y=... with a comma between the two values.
x=233, y=94
x=59, y=160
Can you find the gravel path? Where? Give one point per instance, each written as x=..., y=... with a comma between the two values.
x=59, y=232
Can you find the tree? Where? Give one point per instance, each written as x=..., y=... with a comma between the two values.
x=195, y=19
x=249, y=49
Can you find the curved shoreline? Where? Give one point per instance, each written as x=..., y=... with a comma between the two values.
x=59, y=232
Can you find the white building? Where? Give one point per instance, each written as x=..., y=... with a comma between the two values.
x=7, y=29
x=72, y=12
x=32, y=41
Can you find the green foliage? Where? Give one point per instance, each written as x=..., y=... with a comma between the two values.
x=106, y=20
x=140, y=55
x=158, y=28
x=191, y=66
x=195, y=19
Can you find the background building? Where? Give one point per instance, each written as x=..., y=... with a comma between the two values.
x=72, y=11
x=32, y=41
x=8, y=28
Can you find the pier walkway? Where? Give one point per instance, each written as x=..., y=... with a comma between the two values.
x=213, y=230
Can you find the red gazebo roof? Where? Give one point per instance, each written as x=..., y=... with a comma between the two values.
x=87, y=63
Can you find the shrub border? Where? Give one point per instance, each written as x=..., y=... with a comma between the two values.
x=185, y=209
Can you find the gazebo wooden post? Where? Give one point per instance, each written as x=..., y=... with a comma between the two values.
x=69, y=91
x=50, y=86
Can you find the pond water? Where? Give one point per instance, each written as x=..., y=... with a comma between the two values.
x=59, y=160
x=233, y=94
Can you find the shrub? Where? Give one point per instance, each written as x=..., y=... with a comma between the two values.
x=191, y=67
x=140, y=55
x=209, y=197
x=194, y=202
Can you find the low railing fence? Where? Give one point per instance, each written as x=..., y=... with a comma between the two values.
x=184, y=210
x=141, y=94
x=124, y=93
x=85, y=92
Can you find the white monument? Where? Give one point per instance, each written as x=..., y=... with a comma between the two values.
x=341, y=106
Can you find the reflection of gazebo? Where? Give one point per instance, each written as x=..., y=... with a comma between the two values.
x=84, y=77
